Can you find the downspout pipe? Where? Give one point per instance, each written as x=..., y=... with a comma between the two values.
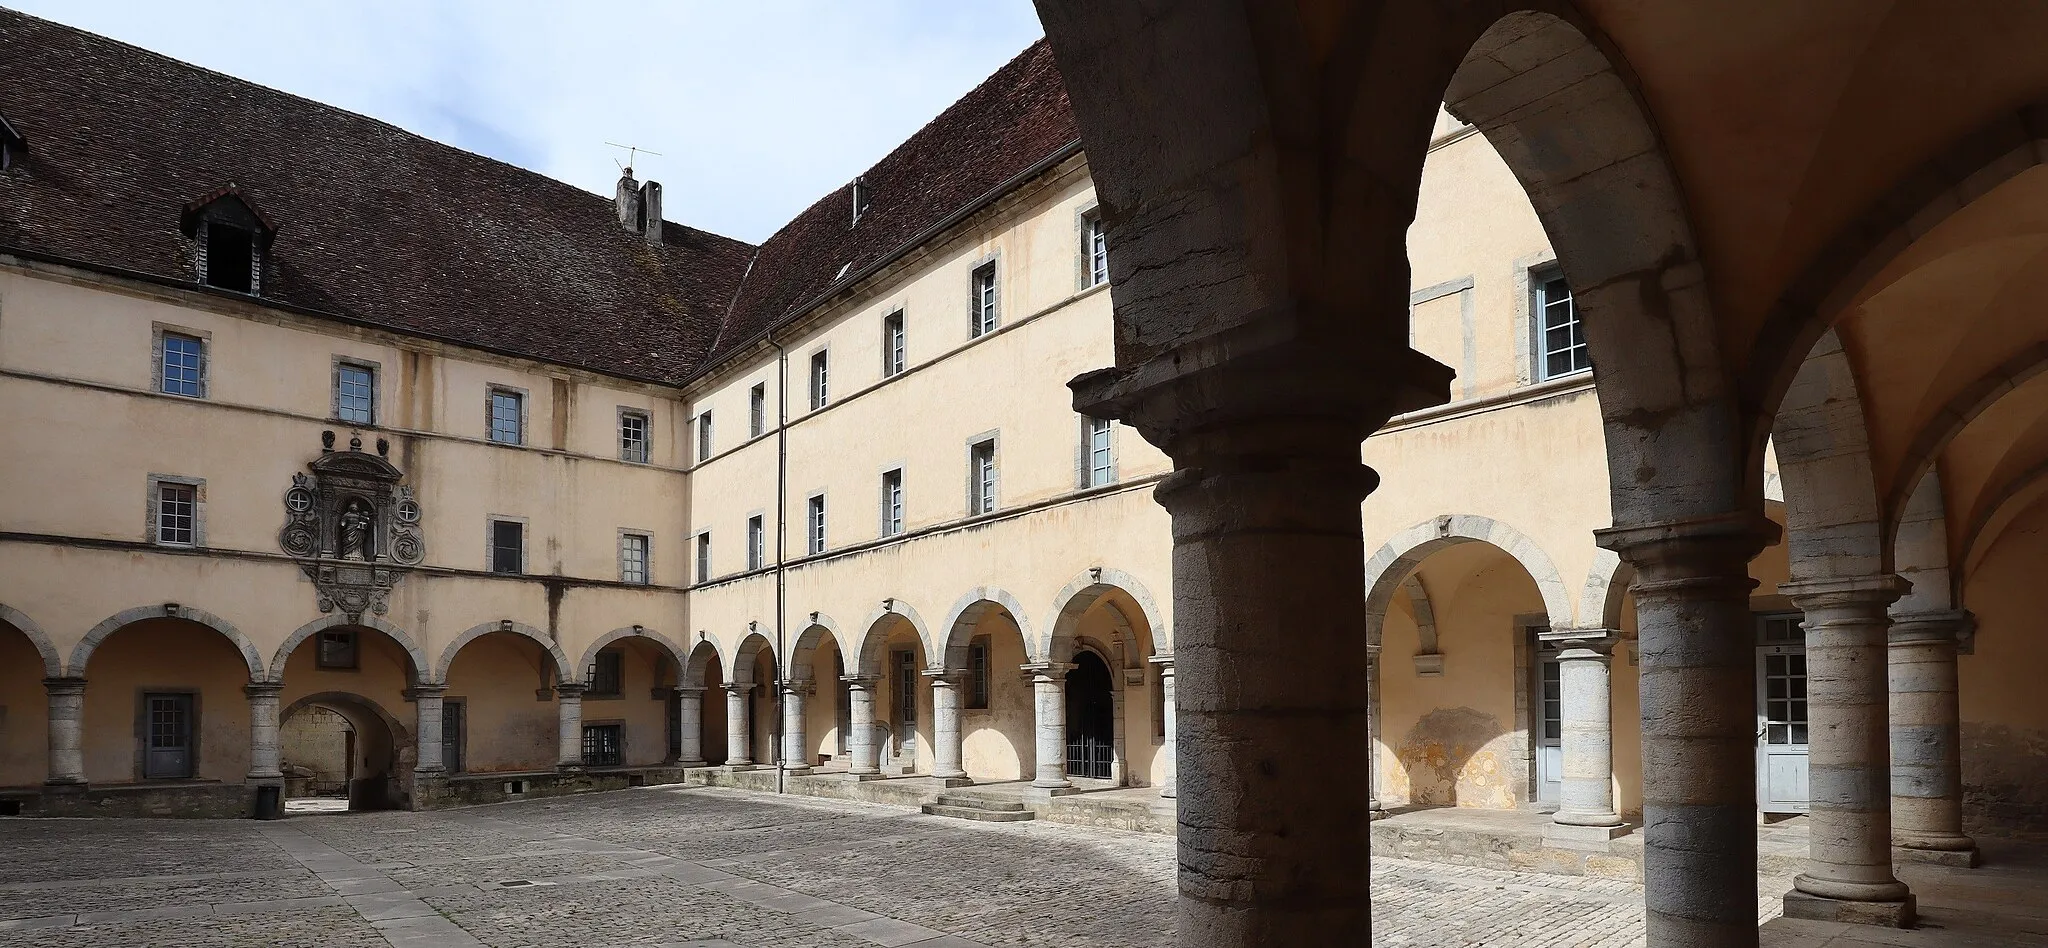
x=781, y=539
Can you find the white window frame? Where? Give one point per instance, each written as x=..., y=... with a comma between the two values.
x=1097, y=462
x=1540, y=278
x=816, y=522
x=984, y=482
x=757, y=541
x=154, y=517
x=821, y=379
x=757, y=410
x=891, y=507
x=628, y=539
x=643, y=451
x=701, y=557
x=1094, y=250
x=343, y=365
x=518, y=396
x=895, y=346
x=705, y=441
x=985, y=297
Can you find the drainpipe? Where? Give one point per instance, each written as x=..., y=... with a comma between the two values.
x=781, y=538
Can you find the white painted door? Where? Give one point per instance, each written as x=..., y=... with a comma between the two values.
x=1549, y=727
x=1781, y=731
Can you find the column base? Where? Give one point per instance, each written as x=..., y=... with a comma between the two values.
x=65, y=784
x=1897, y=913
x=949, y=781
x=798, y=771
x=569, y=768
x=1580, y=833
x=865, y=776
x=1169, y=792
x=691, y=764
x=1965, y=857
x=736, y=768
x=1036, y=792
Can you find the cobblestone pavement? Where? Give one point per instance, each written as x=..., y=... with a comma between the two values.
x=700, y=867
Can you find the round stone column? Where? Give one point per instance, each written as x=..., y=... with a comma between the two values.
x=1848, y=876
x=946, y=724
x=738, y=755
x=689, y=726
x=1049, y=709
x=265, y=753
x=796, y=754
x=1698, y=672
x=569, y=718
x=1586, y=788
x=66, y=731
x=427, y=705
x=860, y=714
x=1926, y=739
x=1166, y=749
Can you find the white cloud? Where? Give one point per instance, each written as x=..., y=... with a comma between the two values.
x=758, y=107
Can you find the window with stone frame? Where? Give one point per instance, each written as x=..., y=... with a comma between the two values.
x=1095, y=245
x=821, y=378
x=177, y=514
x=704, y=557
x=1561, y=338
x=985, y=303
x=604, y=745
x=355, y=393
x=508, y=416
x=336, y=649
x=757, y=543
x=181, y=365
x=508, y=546
x=892, y=502
x=1101, y=451
x=814, y=522
x=893, y=361
x=606, y=675
x=981, y=477
x=977, y=673
x=633, y=557
x=633, y=442
x=704, y=437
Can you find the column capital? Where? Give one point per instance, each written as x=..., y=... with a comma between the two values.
x=1165, y=662
x=1931, y=628
x=1845, y=591
x=863, y=682
x=425, y=689
x=1595, y=640
x=64, y=686
x=945, y=677
x=570, y=689
x=263, y=689
x=1046, y=669
x=1685, y=545
x=737, y=687
x=799, y=686
x=688, y=691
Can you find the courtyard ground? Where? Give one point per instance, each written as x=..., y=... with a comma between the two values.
x=701, y=867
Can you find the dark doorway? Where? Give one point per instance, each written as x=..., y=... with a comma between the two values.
x=169, y=754
x=1091, y=718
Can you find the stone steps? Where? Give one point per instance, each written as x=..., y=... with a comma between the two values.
x=986, y=811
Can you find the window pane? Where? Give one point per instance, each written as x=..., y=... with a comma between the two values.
x=354, y=394
x=507, y=546
x=181, y=368
x=176, y=514
x=633, y=437
x=505, y=420
x=757, y=411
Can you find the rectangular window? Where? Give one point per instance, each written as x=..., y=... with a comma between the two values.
x=508, y=546
x=1096, y=246
x=892, y=502
x=1101, y=457
x=508, y=411
x=1564, y=340
x=607, y=675
x=355, y=393
x=981, y=477
x=757, y=411
x=757, y=543
x=633, y=436
x=892, y=344
x=604, y=745
x=704, y=557
x=983, y=306
x=177, y=514
x=820, y=390
x=977, y=672
x=337, y=649
x=633, y=558
x=703, y=437
x=814, y=522
x=184, y=365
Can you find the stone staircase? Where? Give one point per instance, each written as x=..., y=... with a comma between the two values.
x=975, y=808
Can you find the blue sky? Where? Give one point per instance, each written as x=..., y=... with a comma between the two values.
x=757, y=106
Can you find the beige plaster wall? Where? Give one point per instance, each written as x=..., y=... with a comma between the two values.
x=166, y=655
x=997, y=742
x=497, y=676
x=637, y=707
x=2004, y=719
x=24, y=712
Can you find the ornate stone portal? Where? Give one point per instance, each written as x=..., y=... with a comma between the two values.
x=352, y=526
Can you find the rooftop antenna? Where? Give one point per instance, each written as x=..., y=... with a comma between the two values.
x=632, y=154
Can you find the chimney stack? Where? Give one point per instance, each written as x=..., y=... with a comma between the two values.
x=650, y=212
x=627, y=201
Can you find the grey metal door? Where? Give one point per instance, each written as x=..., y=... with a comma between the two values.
x=1781, y=733
x=1549, y=726
x=169, y=754
x=451, y=736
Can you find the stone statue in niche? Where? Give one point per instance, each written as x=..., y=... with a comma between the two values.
x=354, y=529
x=355, y=532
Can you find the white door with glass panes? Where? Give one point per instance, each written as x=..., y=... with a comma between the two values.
x=1781, y=726
x=1549, y=725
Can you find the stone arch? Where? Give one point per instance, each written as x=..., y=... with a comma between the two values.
x=1971, y=401
x=1399, y=557
x=53, y=662
x=336, y=620
x=563, y=670
x=1920, y=551
x=637, y=632
x=170, y=610
x=741, y=669
x=1833, y=524
x=1970, y=167
x=358, y=710
x=1607, y=583
x=701, y=656
x=2011, y=499
x=867, y=653
x=966, y=613
x=1080, y=595
x=807, y=643
x=1429, y=656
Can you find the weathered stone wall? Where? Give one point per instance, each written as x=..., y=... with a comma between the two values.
x=317, y=739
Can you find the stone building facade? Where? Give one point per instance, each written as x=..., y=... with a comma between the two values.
x=542, y=493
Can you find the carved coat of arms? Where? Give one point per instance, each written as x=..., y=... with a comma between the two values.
x=352, y=526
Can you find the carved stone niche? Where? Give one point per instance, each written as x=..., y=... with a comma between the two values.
x=352, y=526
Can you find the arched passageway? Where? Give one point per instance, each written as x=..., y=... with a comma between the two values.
x=509, y=680
x=992, y=737
x=335, y=743
x=26, y=659
x=699, y=716
x=1091, y=718
x=165, y=701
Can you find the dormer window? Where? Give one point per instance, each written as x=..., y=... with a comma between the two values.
x=862, y=194
x=12, y=145
x=230, y=237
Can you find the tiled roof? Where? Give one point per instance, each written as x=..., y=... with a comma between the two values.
x=380, y=226
x=374, y=224
x=1014, y=120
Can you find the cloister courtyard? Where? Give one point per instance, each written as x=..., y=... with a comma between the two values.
x=721, y=868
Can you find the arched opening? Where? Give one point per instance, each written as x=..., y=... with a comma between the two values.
x=815, y=670
x=503, y=684
x=1091, y=718
x=164, y=703
x=24, y=752
x=1107, y=613
x=344, y=751
x=985, y=645
x=627, y=703
x=893, y=652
